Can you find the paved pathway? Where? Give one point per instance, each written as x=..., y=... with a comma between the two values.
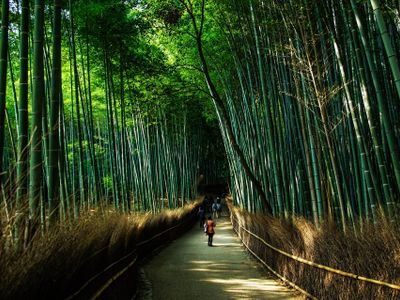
x=189, y=269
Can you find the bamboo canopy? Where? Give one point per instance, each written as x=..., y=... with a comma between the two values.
x=124, y=106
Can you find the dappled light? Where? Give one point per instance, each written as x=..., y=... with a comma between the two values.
x=223, y=271
x=251, y=288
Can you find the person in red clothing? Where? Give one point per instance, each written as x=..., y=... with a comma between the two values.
x=210, y=230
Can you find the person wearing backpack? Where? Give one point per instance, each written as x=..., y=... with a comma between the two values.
x=210, y=230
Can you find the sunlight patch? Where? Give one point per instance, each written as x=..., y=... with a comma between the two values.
x=249, y=284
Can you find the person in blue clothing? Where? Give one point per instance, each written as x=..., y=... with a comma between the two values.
x=216, y=208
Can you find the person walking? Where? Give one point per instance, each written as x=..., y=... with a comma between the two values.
x=207, y=204
x=219, y=207
x=201, y=213
x=216, y=208
x=210, y=230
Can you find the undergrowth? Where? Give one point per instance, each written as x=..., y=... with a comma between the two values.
x=59, y=261
x=373, y=252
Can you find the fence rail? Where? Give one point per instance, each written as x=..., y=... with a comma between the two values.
x=316, y=265
x=126, y=262
x=283, y=278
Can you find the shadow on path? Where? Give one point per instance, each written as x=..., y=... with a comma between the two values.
x=189, y=269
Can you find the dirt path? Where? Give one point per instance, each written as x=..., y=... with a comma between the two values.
x=189, y=269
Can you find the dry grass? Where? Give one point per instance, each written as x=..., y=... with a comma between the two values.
x=57, y=263
x=374, y=253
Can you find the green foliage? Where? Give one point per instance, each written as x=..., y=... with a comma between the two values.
x=169, y=11
x=107, y=182
x=132, y=71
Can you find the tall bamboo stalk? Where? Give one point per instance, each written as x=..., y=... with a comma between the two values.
x=54, y=149
x=22, y=163
x=5, y=6
x=38, y=98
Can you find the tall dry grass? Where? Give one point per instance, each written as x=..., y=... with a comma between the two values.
x=57, y=263
x=373, y=253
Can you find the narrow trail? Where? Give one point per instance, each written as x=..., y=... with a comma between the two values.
x=189, y=269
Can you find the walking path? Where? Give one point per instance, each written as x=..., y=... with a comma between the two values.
x=189, y=269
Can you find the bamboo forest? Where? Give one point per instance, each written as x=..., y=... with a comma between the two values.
x=133, y=131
